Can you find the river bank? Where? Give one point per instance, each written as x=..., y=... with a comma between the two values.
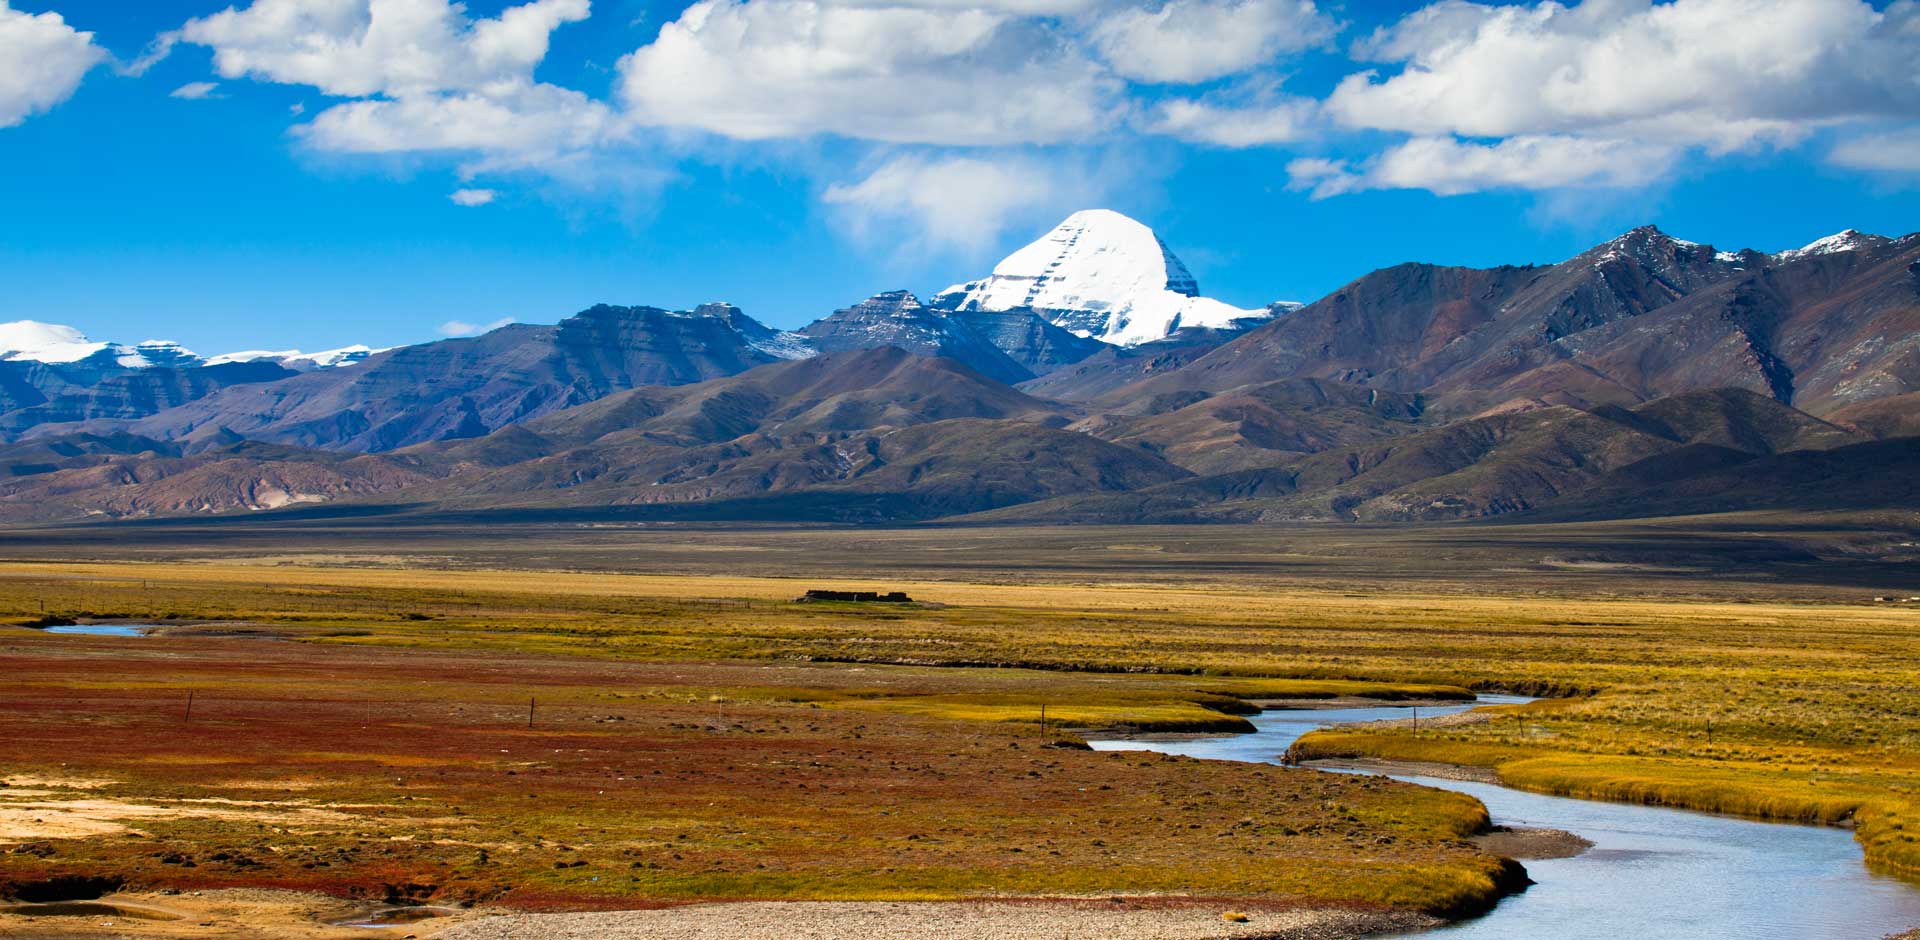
x=245, y=914
x=1114, y=919
x=1619, y=868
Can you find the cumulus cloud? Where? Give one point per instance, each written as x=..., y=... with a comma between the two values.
x=962, y=203
x=930, y=72
x=1449, y=167
x=1722, y=74
x=1201, y=40
x=1582, y=94
x=459, y=328
x=472, y=198
x=45, y=61
x=427, y=78
x=356, y=48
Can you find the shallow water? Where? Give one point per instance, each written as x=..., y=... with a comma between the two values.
x=1653, y=873
x=103, y=629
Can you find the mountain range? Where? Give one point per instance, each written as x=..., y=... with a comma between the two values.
x=1086, y=379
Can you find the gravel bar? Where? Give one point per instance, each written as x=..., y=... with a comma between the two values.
x=1075, y=920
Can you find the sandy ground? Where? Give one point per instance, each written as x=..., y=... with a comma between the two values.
x=241, y=914
x=32, y=809
x=1526, y=844
x=1078, y=920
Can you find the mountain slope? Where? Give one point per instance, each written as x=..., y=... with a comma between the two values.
x=1642, y=316
x=120, y=395
x=1555, y=457
x=122, y=476
x=854, y=435
x=899, y=320
x=469, y=387
x=1262, y=425
x=847, y=391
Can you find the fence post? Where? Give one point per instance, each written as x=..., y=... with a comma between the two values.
x=189, y=716
x=529, y=711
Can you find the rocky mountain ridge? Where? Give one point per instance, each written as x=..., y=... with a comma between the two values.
x=1645, y=371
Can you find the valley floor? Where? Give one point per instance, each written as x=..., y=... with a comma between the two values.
x=485, y=722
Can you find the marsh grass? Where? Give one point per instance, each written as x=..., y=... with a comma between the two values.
x=383, y=772
x=1806, y=711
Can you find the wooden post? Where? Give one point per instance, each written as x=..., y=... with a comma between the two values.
x=189, y=705
x=1043, y=720
x=1416, y=719
x=529, y=712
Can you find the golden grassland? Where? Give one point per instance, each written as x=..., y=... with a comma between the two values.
x=1801, y=710
x=568, y=782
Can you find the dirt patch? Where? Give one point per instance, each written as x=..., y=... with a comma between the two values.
x=32, y=815
x=1529, y=844
x=1114, y=919
x=199, y=915
x=10, y=783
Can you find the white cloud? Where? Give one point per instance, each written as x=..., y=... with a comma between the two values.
x=195, y=91
x=461, y=328
x=44, y=61
x=472, y=198
x=356, y=48
x=1201, y=40
x=512, y=127
x=928, y=72
x=1274, y=119
x=427, y=78
x=1723, y=74
x=1449, y=167
x=962, y=203
x=1891, y=152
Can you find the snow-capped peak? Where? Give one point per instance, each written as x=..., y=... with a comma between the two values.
x=32, y=340
x=1849, y=240
x=1099, y=274
x=300, y=361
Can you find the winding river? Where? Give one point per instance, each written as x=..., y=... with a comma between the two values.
x=1652, y=874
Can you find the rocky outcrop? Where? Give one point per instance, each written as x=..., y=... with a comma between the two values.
x=899, y=320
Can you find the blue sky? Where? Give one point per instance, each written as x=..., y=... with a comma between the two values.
x=269, y=212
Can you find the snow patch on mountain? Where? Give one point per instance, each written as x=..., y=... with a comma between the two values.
x=1849, y=240
x=783, y=344
x=780, y=344
x=301, y=361
x=53, y=343
x=1103, y=275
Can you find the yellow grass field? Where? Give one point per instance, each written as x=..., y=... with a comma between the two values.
x=1802, y=710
